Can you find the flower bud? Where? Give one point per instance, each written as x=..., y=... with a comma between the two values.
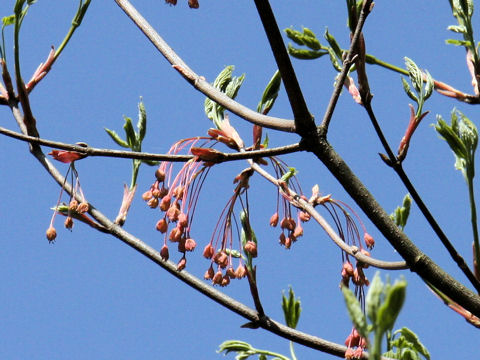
x=162, y=226
x=190, y=244
x=73, y=205
x=369, y=240
x=274, y=220
x=68, y=222
x=240, y=271
x=217, y=278
x=208, y=251
x=209, y=273
x=172, y=212
x=182, y=263
x=51, y=234
x=153, y=202
x=147, y=195
x=304, y=217
x=231, y=273
x=160, y=175
x=221, y=259
x=83, y=207
x=251, y=248
x=164, y=253
x=165, y=203
x=225, y=281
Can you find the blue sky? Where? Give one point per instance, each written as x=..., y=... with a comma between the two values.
x=88, y=296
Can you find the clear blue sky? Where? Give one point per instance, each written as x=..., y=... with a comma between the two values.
x=88, y=296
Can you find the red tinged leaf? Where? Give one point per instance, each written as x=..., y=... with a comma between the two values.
x=66, y=156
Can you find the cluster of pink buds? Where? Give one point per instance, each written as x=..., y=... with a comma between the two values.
x=291, y=227
x=176, y=197
x=221, y=269
x=354, y=340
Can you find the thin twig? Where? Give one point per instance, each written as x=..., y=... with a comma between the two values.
x=397, y=167
x=198, y=82
x=348, y=62
x=351, y=250
x=89, y=151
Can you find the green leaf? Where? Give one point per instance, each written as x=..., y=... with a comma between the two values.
x=411, y=337
x=310, y=39
x=142, y=121
x=374, y=297
x=355, y=311
x=291, y=309
x=457, y=28
x=458, y=42
x=401, y=213
x=333, y=44
x=294, y=35
x=234, y=345
x=408, y=90
x=304, y=54
x=416, y=75
x=389, y=310
x=129, y=132
x=116, y=138
x=270, y=93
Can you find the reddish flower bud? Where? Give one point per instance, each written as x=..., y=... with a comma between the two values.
x=208, y=251
x=288, y=242
x=51, y=234
x=182, y=220
x=153, y=202
x=162, y=226
x=251, y=248
x=165, y=203
x=274, y=220
x=217, y=278
x=231, y=273
x=369, y=240
x=83, y=207
x=240, y=271
x=172, y=212
x=221, y=259
x=209, y=273
x=68, y=222
x=190, y=244
x=160, y=175
x=282, y=239
x=73, y=205
x=164, y=253
x=178, y=192
x=193, y=4
x=156, y=193
x=147, y=195
x=182, y=263
x=348, y=267
x=225, y=281
x=298, y=231
x=304, y=216
x=175, y=235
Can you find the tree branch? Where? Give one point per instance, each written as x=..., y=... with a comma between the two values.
x=416, y=260
x=304, y=122
x=198, y=82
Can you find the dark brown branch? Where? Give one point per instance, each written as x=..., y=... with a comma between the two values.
x=416, y=260
x=304, y=123
x=198, y=82
x=89, y=151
